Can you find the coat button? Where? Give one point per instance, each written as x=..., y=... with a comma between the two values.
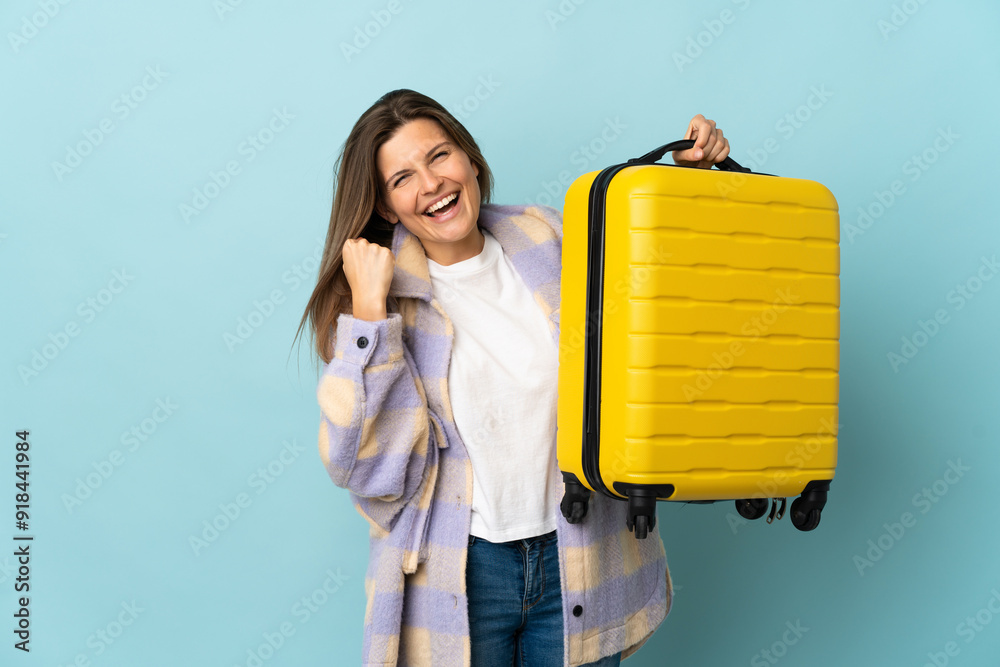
x=577, y=610
x=362, y=342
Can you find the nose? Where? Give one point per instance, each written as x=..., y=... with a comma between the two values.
x=429, y=181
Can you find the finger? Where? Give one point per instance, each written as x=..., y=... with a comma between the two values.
x=692, y=126
x=710, y=147
x=719, y=150
x=689, y=156
x=700, y=157
x=694, y=153
x=683, y=157
x=702, y=131
x=724, y=153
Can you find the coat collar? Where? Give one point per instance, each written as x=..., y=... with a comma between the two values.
x=529, y=235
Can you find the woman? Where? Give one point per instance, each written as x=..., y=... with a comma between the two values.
x=436, y=315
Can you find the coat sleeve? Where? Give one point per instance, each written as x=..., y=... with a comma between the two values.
x=375, y=437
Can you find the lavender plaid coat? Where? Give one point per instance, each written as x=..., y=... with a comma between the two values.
x=387, y=434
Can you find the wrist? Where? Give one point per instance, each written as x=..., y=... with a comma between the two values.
x=369, y=309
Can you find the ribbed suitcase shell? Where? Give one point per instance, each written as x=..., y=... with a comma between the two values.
x=720, y=346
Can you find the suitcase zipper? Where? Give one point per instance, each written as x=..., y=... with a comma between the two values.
x=593, y=334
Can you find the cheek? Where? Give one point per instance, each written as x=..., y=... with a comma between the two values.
x=398, y=203
x=469, y=174
x=473, y=177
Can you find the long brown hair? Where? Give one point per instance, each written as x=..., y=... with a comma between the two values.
x=358, y=187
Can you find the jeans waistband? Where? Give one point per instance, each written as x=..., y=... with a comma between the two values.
x=550, y=536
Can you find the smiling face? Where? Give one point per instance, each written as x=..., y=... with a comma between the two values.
x=431, y=188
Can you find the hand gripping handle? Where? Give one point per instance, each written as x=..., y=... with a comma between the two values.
x=729, y=164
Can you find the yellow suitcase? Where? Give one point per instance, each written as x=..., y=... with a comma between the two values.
x=699, y=340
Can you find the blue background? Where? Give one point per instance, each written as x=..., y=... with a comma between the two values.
x=554, y=75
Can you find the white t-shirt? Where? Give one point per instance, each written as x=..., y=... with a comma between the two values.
x=502, y=381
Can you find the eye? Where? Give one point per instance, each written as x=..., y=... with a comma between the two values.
x=439, y=154
x=398, y=181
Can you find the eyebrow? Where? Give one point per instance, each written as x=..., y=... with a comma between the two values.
x=426, y=156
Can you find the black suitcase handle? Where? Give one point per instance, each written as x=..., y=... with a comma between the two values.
x=729, y=164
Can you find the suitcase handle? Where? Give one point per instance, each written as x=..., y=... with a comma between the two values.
x=729, y=164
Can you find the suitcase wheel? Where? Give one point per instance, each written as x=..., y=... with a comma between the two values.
x=804, y=515
x=752, y=508
x=806, y=509
x=575, y=500
x=641, y=525
x=577, y=511
x=641, y=512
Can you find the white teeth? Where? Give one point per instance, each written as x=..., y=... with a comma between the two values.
x=444, y=202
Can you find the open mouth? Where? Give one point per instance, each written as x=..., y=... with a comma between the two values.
x=442, y=207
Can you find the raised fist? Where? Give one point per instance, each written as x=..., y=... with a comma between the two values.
x=368, y=267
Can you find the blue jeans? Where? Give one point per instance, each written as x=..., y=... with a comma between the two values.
x=515, y=604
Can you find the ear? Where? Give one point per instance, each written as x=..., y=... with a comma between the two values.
x=381, y=209
x=475, y=169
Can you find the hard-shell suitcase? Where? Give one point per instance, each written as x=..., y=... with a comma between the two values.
x=699, y=340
